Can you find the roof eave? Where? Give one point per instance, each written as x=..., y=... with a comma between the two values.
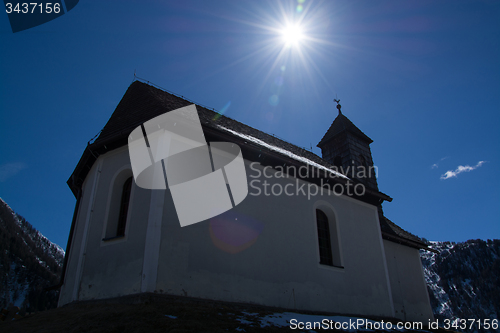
x=119, y=139
x=407, y=242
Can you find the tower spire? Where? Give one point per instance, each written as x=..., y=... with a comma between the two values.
x=346, y=147
x=338, y=105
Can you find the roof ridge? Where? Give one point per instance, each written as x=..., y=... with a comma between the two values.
x=148, y=84
x=151, y=84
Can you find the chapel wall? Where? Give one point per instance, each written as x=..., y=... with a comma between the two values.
x=409, y=290
x=280, y=265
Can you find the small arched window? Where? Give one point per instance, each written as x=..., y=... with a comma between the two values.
x=124, y=203
x=325, y=245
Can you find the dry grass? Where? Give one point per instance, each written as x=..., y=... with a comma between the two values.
x=146, y=313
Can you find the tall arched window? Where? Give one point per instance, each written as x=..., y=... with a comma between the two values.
x=119, y=205
x=325, y=245
x=124, y=203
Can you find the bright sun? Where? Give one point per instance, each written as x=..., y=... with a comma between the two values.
x=292, y=35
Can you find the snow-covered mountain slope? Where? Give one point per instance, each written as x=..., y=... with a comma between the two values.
x=464, y=279
x=29, y=263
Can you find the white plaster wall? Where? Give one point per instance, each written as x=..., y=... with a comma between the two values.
x=66, y=292
x=409, y=290
x=108, y=268
x=281, y=268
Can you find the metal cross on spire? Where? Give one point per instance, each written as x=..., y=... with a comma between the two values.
x=338, y=105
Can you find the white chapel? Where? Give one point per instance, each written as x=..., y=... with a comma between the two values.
x=325, y=252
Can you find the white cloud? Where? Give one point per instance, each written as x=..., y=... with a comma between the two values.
x=460, y=169
x=10, y=169
x=436, y=165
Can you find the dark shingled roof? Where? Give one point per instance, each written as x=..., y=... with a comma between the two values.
x=142, y=102
x=391, y=231
x=341, y=124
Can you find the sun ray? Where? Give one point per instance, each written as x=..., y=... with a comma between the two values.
x=293, y=39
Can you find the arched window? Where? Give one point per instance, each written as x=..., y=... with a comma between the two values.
x=119, y=204
x=124, y=203
x=325, y=245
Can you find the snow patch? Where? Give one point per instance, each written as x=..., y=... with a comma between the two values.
x=283, y=151
x=317, y=322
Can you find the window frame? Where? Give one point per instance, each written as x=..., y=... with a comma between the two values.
x=115, y=208
x=324, y=238
x=335, y=252
x=124, y=206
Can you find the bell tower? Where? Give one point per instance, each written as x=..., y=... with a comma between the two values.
x=348, y=148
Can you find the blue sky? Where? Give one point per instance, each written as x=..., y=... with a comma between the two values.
x=421, y=78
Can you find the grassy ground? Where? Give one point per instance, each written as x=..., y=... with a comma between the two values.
x=148, y=313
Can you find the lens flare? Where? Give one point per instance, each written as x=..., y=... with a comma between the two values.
x=222, y=111
x=274, y=100
x=233, y=232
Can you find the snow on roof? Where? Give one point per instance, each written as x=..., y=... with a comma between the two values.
x=283, y=151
